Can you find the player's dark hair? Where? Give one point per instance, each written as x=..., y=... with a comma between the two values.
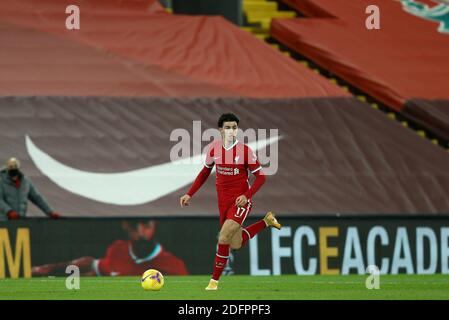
x=227, y=117
x=134, y=223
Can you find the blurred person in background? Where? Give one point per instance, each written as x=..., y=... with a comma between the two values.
x=15, y=191
x=130, y=257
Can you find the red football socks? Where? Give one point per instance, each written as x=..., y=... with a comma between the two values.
x=220, y=260
x=252, y=230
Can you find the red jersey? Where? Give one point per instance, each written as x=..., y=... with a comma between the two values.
x=120, y=261
x=232, y=166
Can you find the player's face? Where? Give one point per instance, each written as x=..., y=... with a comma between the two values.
x=146, y=230
x=140, y=231
x=229, y=131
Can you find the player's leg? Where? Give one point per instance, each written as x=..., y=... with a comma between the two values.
x=249, y=232
x=238, y=214
x=228, y=229
x=236, y=241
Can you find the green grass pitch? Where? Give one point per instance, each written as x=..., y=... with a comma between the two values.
x=232, y=288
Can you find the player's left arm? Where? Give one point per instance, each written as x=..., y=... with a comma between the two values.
x=260, y=180
x=255, y=168
x=200, y=179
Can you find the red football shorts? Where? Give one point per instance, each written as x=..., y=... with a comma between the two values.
x=230, y=211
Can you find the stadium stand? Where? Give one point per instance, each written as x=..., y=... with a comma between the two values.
x=206, y=50
x=335, y=155
x=403, y=65
x=111, y=105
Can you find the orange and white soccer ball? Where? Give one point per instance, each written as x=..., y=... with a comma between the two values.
x=152, y=280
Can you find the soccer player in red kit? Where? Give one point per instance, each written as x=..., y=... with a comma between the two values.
x=124, y=257
x=232, y=160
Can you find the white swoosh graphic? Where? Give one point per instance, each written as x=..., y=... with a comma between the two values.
x=133, y=187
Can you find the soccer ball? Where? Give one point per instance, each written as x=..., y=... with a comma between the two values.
x=152, y=280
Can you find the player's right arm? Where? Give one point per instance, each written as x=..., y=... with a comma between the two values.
x=59, y=269
x=197, y=184
x=200, y=179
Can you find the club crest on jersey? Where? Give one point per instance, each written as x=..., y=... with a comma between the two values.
x=236, y=159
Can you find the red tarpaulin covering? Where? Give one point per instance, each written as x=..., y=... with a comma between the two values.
x=186, y=52
x=404, y=64
x=91, y=114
